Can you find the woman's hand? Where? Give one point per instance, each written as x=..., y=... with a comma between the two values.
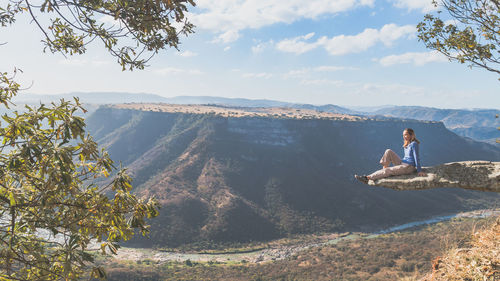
x=422, y=174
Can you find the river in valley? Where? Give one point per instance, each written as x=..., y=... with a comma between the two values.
x=282, y=251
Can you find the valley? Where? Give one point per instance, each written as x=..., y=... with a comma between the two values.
x=406, y=254
x=226, y=176
x=282, y=248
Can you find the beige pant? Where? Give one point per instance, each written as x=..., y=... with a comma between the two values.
x=399, y=168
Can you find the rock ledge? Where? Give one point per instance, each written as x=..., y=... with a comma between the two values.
x=476, y=175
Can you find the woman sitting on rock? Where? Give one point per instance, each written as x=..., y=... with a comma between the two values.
x=409, y=164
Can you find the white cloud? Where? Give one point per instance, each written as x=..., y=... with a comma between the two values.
x=109, y=20
x=342, y=44
x=391, y=89
x=174, y=71
x=308, y=82
x=263, y=75
x=261, y=46
x=297, y=72
x=83, y=62
x=346, y=44
x=308, y=36
x=227, y=37
x=73, y=62
x=100, y=62
x=227, y=48
x=418, y=59
x=297, y=45
x=222, y=16
x=187, y=54
x=324, y=68
x=392, y=32
x=423, y=5
x=327, y=68
x=450, y=21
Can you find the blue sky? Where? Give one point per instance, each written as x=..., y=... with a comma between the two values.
x=343, y=52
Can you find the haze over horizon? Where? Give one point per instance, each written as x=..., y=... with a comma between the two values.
x=29, y=97
x=347, y=53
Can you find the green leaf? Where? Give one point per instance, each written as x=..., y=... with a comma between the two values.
x=99, y=272
x=12, y=199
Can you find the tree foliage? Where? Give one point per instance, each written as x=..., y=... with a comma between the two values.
x=54, y=207
x=472, y=36
x=131, y=30
x=51, y=209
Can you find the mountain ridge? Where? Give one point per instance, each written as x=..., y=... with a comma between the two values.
x=479, y=124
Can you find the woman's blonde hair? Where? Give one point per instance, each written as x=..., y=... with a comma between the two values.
x=412, y=137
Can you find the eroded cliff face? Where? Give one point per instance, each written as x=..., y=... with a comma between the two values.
x=272, y=132
x=246, y=178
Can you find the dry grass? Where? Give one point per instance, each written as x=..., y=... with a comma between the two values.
x=480, y=260
x=238, y=112
x=405, y=255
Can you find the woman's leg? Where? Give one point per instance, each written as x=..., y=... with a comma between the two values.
x=390, y=157
x=402, y=169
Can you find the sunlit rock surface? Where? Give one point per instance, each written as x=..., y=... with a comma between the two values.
x=476, y=175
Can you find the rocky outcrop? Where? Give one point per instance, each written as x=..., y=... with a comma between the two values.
x=476, y=175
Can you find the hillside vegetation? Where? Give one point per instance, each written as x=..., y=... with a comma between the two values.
x=224, y=111
x=231, y=175
x=408, y=255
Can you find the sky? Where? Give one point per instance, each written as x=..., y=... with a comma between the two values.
x=342, y=52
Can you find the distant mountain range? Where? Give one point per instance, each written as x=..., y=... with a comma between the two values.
x=253, y=178
x=114, y=98
x=479, y=124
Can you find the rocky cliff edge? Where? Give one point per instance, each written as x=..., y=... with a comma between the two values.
x=476, y=175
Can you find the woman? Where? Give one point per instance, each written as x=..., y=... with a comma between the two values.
x=409, y=164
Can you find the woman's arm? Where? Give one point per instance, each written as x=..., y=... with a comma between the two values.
x=416, y=157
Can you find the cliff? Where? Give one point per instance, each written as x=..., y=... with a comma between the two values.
x=475, y=175
x=238, y=175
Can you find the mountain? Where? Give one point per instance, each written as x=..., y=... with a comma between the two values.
x=117, y=98
x=238, y=102
x=367, y=109
x=479, y=124
x=228, y=175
